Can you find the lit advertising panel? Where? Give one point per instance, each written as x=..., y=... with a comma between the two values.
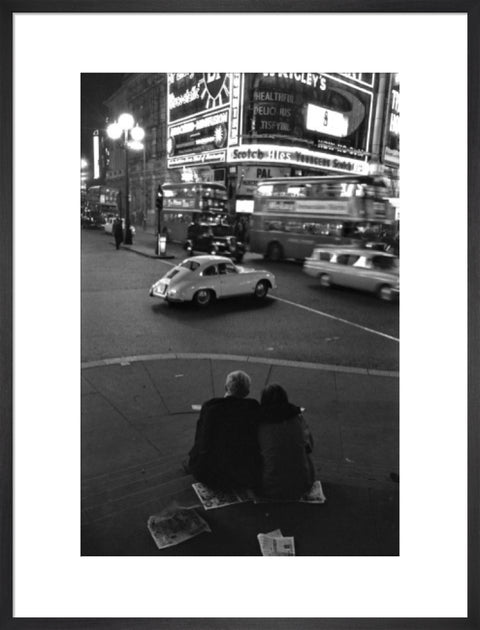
x=96, y=155
x=315, y=112
x=193, y=93
x=317, y=121
x=198, y=118
x=250, y=176
x=294, y=156
x=363, y=78
x=392, y=132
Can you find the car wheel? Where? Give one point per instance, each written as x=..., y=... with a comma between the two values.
x=261, y=290
x=325, y=280
x=203, y=297
x=385, y=293
x=275, y=252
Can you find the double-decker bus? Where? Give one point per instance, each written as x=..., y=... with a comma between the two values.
x=184, y=201
x=293, y=214
x=100, y=202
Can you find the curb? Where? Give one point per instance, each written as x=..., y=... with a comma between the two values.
x=145, y=254
x=123, y=361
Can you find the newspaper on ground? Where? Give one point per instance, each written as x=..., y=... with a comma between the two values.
x=275, y=544
x=212, y=499
x=314, y=495
x=175, y=525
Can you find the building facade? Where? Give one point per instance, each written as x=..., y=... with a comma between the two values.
x=241, y=128
x=144, y=96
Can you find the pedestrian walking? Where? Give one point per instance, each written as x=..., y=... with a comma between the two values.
x=239, y=230
x=118, y=232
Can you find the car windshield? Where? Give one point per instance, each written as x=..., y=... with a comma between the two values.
x=222, y=230
x=190, y=264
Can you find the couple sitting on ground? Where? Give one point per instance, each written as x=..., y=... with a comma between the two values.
x=265, y=447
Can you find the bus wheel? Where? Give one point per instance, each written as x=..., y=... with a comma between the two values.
x=275, y=252
x=325, y=280
x=385, y=293
x=203, y=297
x=261, y=290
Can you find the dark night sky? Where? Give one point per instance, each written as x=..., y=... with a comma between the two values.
x=95, y=88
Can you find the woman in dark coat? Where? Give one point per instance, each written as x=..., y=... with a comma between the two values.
x=285, y=446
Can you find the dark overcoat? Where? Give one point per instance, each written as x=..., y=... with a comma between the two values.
x=225, y=453
x=285, y=445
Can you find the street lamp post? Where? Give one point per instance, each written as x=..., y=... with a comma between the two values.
x=144, y=191
x=132, y=139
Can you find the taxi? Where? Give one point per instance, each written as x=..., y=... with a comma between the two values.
x=362, y=269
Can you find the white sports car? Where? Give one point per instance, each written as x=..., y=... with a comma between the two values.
x=202, y=279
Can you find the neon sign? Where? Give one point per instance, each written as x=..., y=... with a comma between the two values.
x=193, y=93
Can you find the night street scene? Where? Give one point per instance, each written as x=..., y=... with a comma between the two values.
x=240, y=248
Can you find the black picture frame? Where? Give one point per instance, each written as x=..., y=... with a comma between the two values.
x=8, y=9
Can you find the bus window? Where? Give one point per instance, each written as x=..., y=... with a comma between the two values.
x=293, y=226
x=297, y=191
x=274, y=225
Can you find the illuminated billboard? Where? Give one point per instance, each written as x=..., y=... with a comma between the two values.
x=331, y=113
x=312, y=120
x=198, y=118
x=392, y=132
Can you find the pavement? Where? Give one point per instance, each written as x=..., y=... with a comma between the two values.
x=144, y=243
x=138, y=423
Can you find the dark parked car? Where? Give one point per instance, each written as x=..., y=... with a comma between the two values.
x=215, y=239
x=91, y=220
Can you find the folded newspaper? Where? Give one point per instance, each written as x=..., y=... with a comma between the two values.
x=275, y=544
x=212, y=499
x=314, y=495
x=175, y=525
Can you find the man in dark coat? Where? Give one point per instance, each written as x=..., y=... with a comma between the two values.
x=225, y=454
x=118, y=231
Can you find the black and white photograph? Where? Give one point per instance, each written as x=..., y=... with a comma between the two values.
x=208, y=359
x=240, y=310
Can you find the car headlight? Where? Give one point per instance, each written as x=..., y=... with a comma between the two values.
x=172, y=291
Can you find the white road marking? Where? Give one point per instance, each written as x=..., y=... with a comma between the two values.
x=170, y=264
x=312, y=310
x=338, y=319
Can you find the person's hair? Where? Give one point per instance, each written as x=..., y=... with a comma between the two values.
x=273, y=395
x=238, y=384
